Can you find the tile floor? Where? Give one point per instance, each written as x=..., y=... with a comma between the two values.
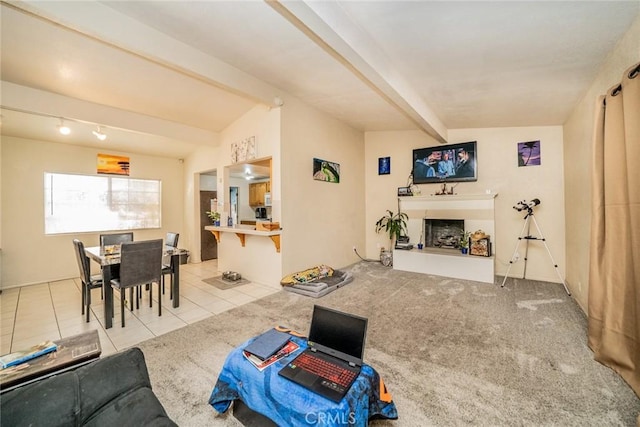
x=52, y=310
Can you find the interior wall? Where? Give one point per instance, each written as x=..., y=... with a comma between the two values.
x=30, y=256
x=498, y=172
x=258, y=260
x=578, y=147
x=322, y=221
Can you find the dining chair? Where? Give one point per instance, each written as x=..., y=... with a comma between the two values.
x=140, y=264
x=171, y=241
x=116, y=238
x=88, y=281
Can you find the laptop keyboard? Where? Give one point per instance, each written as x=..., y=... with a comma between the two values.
x=325, y=369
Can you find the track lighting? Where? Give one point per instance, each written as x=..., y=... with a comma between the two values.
x=63, y=129
x=99, y=134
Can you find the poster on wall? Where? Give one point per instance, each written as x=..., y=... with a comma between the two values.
x=113, y=165
x=384, y=165
x=243, y=150
x=326, y=171
x=529, y=153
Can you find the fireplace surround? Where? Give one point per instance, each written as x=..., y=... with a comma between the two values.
x=475, y=211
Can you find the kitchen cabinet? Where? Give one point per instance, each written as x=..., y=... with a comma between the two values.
x=257, y=192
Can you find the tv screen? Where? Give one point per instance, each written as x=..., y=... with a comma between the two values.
x=445, y=163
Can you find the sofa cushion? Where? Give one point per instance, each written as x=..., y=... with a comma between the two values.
x=138, y=408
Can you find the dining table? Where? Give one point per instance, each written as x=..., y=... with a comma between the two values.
x=109, y=256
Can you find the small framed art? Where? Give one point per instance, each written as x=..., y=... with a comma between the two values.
x=384, y=165
x=324, y=170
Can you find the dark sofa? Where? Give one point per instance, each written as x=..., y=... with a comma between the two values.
x=113, y=391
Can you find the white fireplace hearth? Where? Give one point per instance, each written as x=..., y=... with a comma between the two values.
x=477, y=213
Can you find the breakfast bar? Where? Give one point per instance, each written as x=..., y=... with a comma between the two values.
x=243, y=230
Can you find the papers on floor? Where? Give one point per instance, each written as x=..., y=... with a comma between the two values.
x=19, y=357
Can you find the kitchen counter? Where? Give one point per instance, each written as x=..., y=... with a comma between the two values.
x=243, y=230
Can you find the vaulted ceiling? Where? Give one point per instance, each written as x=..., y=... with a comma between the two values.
x=164, y=77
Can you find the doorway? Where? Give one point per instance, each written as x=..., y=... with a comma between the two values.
x=208, y=243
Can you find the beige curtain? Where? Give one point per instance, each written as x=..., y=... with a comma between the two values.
x=614, y=276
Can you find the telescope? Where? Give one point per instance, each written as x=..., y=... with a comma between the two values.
x=522, y=205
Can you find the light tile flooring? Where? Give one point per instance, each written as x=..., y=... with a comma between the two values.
x=52, y=310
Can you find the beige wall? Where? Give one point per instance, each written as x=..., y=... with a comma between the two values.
x=498, y=171
x=322, y=221
x=578, y=140
x=29, y=256
x=257, y=260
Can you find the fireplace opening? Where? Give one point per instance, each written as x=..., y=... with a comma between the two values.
x=443, y=233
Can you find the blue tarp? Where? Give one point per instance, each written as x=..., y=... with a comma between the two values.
x=289, y=404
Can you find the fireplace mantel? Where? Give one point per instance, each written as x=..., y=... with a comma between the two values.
x=477, y=211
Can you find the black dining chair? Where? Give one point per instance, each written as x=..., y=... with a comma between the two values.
x=140, y=264
x=88, y=281
x=171, y=241
x=116, y=238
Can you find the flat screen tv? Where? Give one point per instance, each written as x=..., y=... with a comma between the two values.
x=445, y=163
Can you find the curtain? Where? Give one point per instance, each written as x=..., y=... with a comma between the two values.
x=614, y=275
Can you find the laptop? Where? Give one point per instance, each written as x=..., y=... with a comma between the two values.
x=333, y=359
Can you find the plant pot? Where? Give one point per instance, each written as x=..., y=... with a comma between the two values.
x=464, y=250
x=420, y=246
x=216, y=223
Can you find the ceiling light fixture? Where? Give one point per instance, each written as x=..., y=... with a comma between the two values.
x=99, y=134
x=63, y=129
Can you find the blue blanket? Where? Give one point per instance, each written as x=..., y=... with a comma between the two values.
x=287, y=403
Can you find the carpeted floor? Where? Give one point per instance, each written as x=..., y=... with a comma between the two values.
x=451, y=352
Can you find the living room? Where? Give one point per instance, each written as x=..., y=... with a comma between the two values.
x=322, y=222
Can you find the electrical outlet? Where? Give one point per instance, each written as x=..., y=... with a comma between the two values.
x=378, y=245
x=354, y=248
x=516, y=257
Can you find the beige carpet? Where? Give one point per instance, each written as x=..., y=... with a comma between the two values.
x=451, y=352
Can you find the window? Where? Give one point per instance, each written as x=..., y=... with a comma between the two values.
x=84, y=203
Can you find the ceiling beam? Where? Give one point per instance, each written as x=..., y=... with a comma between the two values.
x=26, y=99
x=327, y=24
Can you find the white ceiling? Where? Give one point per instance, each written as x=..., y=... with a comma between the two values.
x=167, y=76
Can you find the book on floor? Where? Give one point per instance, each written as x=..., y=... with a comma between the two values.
x=22, y=356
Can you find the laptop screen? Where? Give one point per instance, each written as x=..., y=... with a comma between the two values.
x=338, y=331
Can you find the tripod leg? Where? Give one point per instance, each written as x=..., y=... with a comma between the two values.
x=526, y=247
x=555, y=266
x=515, y=251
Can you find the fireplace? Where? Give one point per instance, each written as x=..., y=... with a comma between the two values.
x=443, y=233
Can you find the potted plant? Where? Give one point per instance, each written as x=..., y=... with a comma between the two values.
x=214, y=217
x=395, y=224
x=464, y=242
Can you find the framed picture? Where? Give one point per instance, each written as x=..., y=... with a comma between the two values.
x=480, y=247
x=243, y=150
x=384, y=165
x=324, y=170
x=113, y=165
x=529, y=153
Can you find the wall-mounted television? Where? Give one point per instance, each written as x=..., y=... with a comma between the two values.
x=445, y=163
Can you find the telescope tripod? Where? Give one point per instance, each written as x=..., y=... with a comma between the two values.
x=527, y=238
